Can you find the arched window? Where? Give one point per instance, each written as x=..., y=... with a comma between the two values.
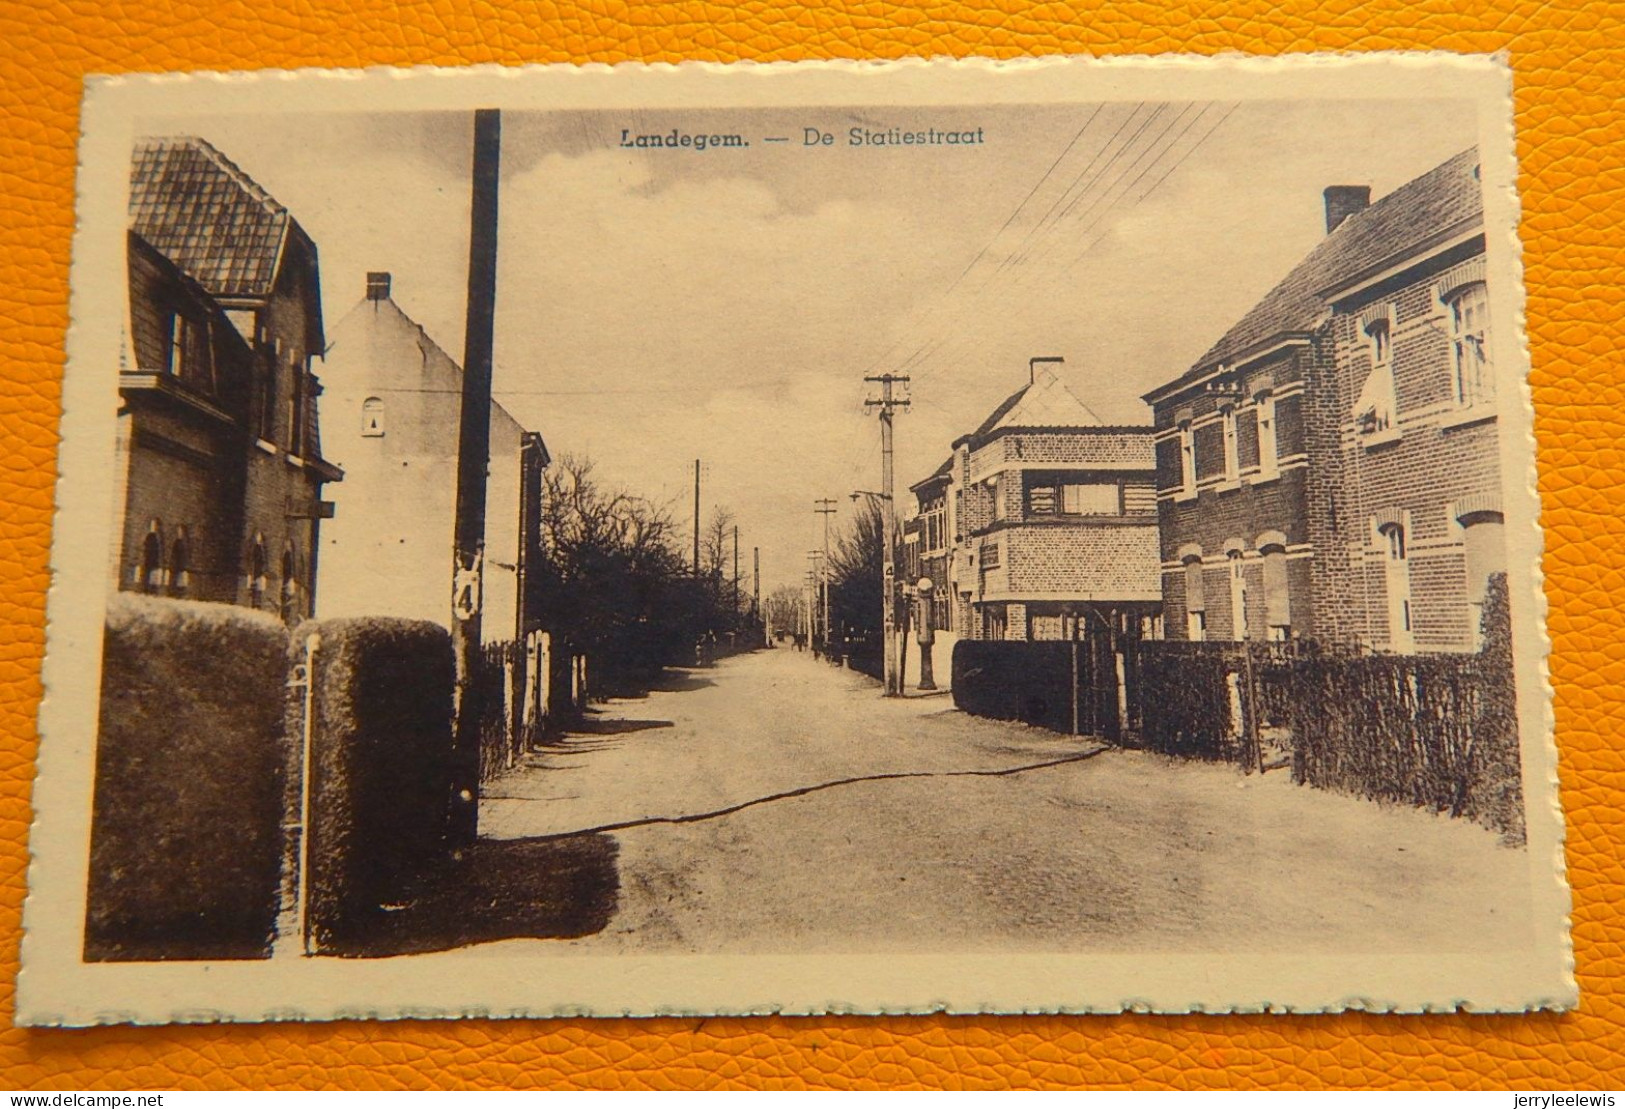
x=1395, y=551
x=180, y=576
x=1277, y=593
x=1238, y=593
x=256, y=573
x=372, y=418
x=1195, y=600
x=290, y=587
x=150, y=574
x=1472, y=369
x=1485, y=534
x=1379, y=337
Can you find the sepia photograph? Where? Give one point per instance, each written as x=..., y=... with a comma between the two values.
x=802, y=539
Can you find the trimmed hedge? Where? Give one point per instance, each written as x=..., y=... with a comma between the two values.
x=186, y=835
x=1435, y=731
x=381, y=768
x=1014, y=680
x=1185, y=704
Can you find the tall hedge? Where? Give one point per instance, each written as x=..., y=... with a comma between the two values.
x=381, y=768
x=186, y=823
x=1436, y=731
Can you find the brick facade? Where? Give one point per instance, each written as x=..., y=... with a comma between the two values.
x=208, y=509
x=1046, y=520
x=221, y=473
x=1380, y=516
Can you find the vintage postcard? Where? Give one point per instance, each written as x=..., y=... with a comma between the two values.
x=1053, y=536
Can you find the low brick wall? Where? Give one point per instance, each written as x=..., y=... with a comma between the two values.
x=186, y=825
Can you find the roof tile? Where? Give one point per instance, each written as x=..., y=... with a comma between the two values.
x=194, y=205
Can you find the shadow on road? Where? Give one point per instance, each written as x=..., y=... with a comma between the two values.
x=499, y=890
x=615, y=727
x=680, y=681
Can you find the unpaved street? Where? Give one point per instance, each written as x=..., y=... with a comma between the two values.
x=774, y=804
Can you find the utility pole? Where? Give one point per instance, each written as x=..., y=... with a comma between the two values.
x=825, y=507
x=473, y=460
x=819, y=589
x=735, y=613
x=888, y=604
x=696, y=518
x=756, y=584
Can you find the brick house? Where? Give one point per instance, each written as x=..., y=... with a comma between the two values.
x=391, y=418
x=1329, y=469
x=220, y=464
x=1049, y=520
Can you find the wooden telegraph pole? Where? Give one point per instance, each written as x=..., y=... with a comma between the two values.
x=825, y=507
x=473, y=459
x=888, y=602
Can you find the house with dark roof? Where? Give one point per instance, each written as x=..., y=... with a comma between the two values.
x=220, y=461
x=1328, y=470
x=1049, y=521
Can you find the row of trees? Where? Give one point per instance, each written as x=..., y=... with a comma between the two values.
x=614, y=584
x=856, y=574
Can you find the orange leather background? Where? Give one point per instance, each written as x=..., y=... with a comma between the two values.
x=1569, y=58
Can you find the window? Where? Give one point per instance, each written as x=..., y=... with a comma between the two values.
x=1486, y=555
x=150, y=574
x=177, y=345
x=1187, y=460
x=1238, y=595
x=1471, y=367
x=1379, y=337
x=296, y=414
x=1268, y=448
x=267, y=421
x=372, y=417
x=290, y=589
x=256, y=573
x=1397, y=581
x=1374, y=410
x=1277, y=599
x=1091, y=500
x=1195, y=603
x=180, y=579
x=996, y=488
x=1232, y=459
x=1041, y=500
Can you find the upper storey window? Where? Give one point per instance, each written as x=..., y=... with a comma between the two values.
x=1232, y=446
x=1268, y=448
x=372, y=418
x=1187, y=460
x=1375, y=411
x=1472, y=368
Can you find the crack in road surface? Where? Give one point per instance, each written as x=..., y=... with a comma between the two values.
x=694, y=818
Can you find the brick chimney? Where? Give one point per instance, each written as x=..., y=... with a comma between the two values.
x=378, y=284
x=1343, y=201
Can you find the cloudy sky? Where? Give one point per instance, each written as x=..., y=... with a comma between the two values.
x=657, y=306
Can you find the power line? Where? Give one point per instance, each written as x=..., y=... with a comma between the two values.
x=980, y=254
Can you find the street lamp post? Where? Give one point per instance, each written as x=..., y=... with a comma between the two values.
x=925, y=634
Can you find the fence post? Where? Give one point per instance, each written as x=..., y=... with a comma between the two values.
x=1074, y=687
x=1250, y=707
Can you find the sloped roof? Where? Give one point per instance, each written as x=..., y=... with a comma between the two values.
x=196, y=207
x=1045, y=402
x=938, y=474
x=1444, y=196
x=387, y=314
